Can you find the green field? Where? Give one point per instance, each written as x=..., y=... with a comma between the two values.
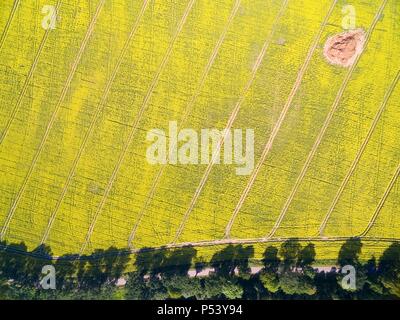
x=77, y=101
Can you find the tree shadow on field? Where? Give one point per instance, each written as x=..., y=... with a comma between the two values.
x=289, y=252
x=166, y=262
x=232, y=257
x=179, y=261
x=13, y=260
x=22, y=266
x=34, y=262
x=306, y=256
x=390, y=259
x=104, y=266
x=149, y=261
x=349, y=252
x=290, y=255
x=270, y=260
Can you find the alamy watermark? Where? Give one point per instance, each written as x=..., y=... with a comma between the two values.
x=349, y=280
x=349, y=17
x=50, y=19
x=190, y=147
x=49, y=279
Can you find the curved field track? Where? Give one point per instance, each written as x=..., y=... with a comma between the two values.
x=83, y=83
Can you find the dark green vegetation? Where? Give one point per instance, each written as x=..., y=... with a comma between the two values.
x=287, y=273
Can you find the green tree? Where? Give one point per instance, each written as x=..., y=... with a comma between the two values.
x=232, y=290
x=179, y=286
x=270, y=281
x=389, y=269
x=295, y=283
x=135, y=287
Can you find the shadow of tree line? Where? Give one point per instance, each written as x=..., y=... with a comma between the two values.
x=287, y=272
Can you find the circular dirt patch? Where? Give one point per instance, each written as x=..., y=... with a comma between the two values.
x=342, y=49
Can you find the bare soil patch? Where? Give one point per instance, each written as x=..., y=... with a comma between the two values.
x=342, y=49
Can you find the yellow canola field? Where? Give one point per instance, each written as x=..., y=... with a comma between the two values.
x=81, y=88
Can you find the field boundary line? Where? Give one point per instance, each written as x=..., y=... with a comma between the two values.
x=326, y=124
x=95, y=118
x=229, y=123
x=27, y=80
x=52, y=119
x=9, y=21
x=136, y=123
x=381, y=202
x=359, y=154
x=187, y=112
x=279, y=122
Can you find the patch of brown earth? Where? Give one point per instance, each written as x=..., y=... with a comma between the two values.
x=343, y=49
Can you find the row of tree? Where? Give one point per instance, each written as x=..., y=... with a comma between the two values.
x=287, y=273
